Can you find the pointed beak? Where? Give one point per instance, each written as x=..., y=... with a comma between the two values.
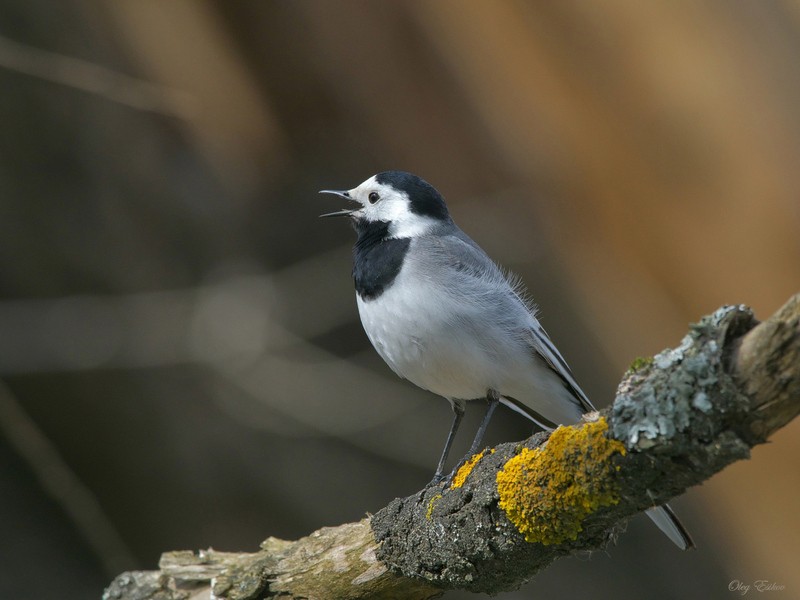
x=339, y=213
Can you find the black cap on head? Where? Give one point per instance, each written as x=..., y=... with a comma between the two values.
x=425, y=200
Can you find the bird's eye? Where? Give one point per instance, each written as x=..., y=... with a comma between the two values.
x=374, y=197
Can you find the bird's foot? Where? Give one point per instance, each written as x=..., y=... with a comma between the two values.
x=438, y=478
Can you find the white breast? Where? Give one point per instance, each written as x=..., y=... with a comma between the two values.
x=438, y=341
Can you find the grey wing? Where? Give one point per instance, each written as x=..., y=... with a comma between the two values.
x=463, y=254
x=545, y=348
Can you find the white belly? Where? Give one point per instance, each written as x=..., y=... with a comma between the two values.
x=434, y=349
x=460, y=356
x=425, y=355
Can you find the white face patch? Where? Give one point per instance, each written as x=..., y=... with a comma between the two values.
x=381, y=202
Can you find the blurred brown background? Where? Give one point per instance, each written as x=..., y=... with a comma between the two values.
x=180, y=352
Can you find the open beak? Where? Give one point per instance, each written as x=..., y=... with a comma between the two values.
x=339, y=213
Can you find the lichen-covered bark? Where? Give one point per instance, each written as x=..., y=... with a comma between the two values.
x=677, y=419
x=548, y=492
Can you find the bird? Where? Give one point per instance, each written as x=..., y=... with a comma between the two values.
x=446, y=317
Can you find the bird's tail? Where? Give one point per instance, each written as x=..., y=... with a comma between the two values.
x=667, y=522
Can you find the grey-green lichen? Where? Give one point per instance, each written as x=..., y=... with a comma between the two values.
x=659, y=400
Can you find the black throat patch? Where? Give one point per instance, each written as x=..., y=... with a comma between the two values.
x=377, y=258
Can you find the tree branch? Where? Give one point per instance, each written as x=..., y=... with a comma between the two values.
x=677, y=419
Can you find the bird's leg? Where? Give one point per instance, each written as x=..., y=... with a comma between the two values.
x=493, y=399
x=458, y=414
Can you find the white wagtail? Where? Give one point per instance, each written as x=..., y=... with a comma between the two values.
x=444, y=316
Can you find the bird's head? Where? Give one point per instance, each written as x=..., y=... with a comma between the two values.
x=408, y=205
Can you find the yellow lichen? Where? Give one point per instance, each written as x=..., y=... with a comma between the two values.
x=547, y=492
x=466, y=469
x=431, y=504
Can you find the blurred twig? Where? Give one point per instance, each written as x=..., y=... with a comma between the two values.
x=241, y=328
x=96, y=79
x=63, y=485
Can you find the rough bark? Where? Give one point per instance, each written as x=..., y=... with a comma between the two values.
x=677, y=419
